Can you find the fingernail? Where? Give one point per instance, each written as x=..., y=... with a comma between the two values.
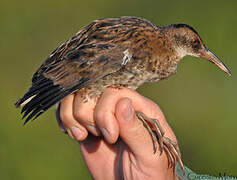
x=127, y=115
x=105, y=133
x=76, y=133
x=93, y=130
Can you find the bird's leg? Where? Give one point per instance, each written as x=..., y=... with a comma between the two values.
x=170, y=147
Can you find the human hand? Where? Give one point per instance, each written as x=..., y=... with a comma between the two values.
x=132, y=156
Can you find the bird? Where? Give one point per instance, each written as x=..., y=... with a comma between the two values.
x=123, y=52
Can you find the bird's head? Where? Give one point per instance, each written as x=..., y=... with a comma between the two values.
x=187, y=42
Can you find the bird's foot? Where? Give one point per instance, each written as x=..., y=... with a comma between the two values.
x=166, y=144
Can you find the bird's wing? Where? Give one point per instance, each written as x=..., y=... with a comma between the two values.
x=71, y=67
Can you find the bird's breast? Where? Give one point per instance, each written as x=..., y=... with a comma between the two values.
x=132, y=78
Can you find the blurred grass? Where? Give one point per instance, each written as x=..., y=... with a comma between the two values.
x=199, y=101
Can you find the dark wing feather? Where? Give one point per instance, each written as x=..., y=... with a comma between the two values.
x=60, y=80
x=94, y=52
x=60, y=77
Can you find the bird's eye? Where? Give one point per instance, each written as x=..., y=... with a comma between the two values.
x=196, y=42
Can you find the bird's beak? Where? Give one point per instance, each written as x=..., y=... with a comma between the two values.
x=208, y=55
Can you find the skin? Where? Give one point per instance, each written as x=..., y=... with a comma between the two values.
x=120, y=145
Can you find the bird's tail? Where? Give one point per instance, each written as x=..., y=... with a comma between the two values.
x=42, y=95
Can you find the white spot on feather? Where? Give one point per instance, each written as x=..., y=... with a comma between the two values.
x=126, y=58
x=26, y=101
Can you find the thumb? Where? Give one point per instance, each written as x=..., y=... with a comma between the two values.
x=131, y=129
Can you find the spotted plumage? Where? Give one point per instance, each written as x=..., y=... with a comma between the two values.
x=127, y=51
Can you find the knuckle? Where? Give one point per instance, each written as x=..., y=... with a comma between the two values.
x=64, y=116
x=100, y=115
x=154, y=108
x=79, y=115
x=83, y=117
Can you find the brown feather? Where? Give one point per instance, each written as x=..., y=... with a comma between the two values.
x=127, y=52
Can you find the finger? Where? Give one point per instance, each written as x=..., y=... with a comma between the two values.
x=105, y=119
x=132, y=130
x=145, y=105
x=98, y=153
x=104, y=111
x=83, y=113
x=139, y=142
x=133, y=133
x=57, y=115
x=74, y=129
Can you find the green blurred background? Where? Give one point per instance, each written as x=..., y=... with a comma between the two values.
x=199, y=101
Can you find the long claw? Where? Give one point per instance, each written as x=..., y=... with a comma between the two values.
x=153, y=136
x=160, y=133
x=170, y=147
x=170, y=157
